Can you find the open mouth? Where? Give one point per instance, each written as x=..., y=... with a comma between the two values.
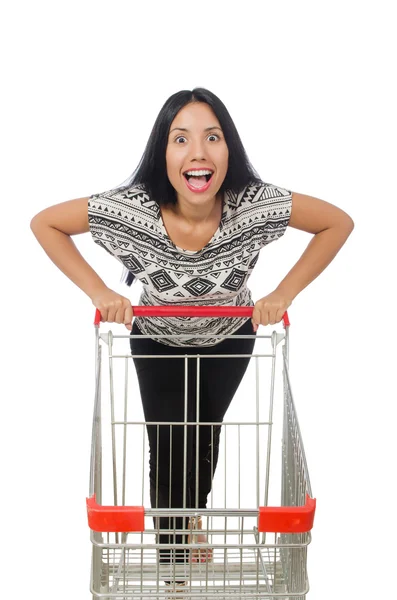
x=206, y=177
x=198, y=179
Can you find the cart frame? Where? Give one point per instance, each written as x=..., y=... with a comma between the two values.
x=258, y=552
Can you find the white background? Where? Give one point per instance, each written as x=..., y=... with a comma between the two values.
x=311, y=88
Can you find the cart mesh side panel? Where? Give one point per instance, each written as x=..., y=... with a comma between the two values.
x=295, y=486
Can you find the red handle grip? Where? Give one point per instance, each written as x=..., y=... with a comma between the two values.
x=192, y=311
x=287, y=519
x=114, y=518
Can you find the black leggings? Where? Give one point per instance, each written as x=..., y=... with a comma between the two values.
x=162, y=385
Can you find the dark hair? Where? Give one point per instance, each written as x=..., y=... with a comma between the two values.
x=152, y=170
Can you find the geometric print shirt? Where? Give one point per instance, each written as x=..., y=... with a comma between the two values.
x=128, y=225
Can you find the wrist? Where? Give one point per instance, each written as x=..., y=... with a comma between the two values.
x=287, y=292
x=96, y=290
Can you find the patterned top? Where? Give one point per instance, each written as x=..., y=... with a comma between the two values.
x=128, y=225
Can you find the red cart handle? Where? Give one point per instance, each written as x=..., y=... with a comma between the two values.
x=192, y=311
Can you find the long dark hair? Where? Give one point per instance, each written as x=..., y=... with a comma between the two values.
x=152, y=170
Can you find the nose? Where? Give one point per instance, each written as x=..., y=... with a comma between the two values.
x=197, y=150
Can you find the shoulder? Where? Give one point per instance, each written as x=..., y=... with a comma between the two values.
x=120, y=194
x=123, y=201
x=259, y=193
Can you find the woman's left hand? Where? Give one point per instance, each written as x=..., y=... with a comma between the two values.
x=270, y=309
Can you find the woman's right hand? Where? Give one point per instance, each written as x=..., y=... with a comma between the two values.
x=113, y=307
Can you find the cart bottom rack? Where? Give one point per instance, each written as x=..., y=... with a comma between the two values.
x=242, y=565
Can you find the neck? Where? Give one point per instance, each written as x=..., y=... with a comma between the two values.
x=196, y=214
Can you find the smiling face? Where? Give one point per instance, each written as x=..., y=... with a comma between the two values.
x=196, y=143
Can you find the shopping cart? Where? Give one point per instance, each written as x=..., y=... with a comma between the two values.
x=258, y=544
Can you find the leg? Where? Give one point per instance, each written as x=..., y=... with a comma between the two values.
x=219, y=380
x=161, y=383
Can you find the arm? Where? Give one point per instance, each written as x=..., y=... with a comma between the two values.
x=53, y=228
x=331, y=227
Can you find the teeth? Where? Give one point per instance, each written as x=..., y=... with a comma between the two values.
x=199, y=173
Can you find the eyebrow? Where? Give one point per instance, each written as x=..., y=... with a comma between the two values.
x=184, y=129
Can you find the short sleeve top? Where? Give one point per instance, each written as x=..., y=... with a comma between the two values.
x=128, y=225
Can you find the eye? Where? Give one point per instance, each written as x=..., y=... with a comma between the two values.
x=180, y=137
x=214, y=135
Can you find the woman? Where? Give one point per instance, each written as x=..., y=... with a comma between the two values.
x=189, y=224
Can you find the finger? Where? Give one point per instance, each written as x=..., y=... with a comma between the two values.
x=122, y=312
x=116, y=312
x=256, y=316
x=265, y=316
x=111, y=313
x=128, y=314
x=254, y=326
x=279, y=315
x=119, y=316
x=104, y=314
